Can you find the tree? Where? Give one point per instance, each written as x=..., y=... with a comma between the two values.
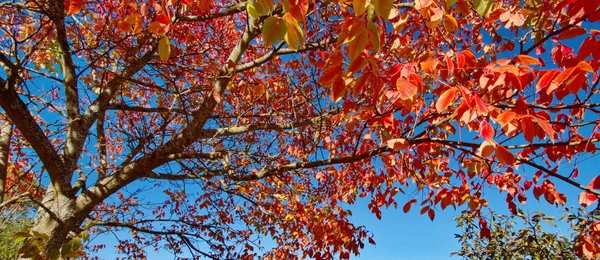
x=264, y=118
x=507, y=241
x=11, y=223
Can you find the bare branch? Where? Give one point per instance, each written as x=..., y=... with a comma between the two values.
x=199, y=18
x=278, y=52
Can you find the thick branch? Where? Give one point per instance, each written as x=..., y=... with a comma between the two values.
x=6, y=128
x=18, y=112
x=71, y=150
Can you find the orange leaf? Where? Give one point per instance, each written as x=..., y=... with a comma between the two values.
x=446, y=99
x=526, y=60
x=398, y=144
x=450, y=23
x=504, y=156
x=543, y=123
x=329, y=74
x=505, y=117
x=528, y=128
x=406, y=89
x=545, y=81
x=486, y=149
x=73, y=6
x=338, y=89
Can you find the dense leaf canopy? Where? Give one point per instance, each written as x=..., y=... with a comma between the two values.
x=204, y=127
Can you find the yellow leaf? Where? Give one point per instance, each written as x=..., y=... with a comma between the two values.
x=450, y=24
x=274, y=29
x=266, y=5
x=294, y=37
x=360, y=6
x=358, y=44
x=164, y=48
x=374, y=35
x=383, y=7
x=254, y=9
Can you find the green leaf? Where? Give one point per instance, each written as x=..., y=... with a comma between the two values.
x=75, y=243
x=65, y=249
x=85, y=235
x=274, y=29
x=483, y=7
x=383, y=8
x=37, y=234
x=164, y=48
x=21, y=235
x=54, y=255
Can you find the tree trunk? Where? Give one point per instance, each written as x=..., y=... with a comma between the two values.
x=54, y=220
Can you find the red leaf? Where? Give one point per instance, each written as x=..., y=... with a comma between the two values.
x=431, y=214
x=588, y=46
x=537, y=192
x=164, y=19
x=486, y=131
x=586, y=198
x=572, y=33
x=446, y=99
x=406, y=207
x=480, y=106
x=595, y=183
x=512, y=207
x=527, y=185
x=484, y=232
x=371, y=241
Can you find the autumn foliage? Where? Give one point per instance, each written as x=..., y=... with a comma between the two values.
x=207, y=127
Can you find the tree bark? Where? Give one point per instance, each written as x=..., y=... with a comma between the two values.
x=57, y=217
x=6, y=128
